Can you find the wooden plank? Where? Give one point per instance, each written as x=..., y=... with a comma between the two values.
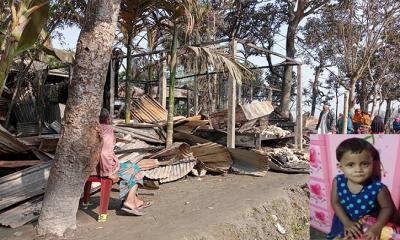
x=137, y=135
x=24, y=213
x=9, y=143
x=139, y=125
x=48, y=145
x=24, y=184
x=144, y=149
x=28, y=211
x=18, y=163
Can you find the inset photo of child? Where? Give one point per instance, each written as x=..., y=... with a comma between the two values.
x=355, y=187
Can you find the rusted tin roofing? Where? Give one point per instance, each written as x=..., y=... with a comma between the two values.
x=147, y=110
x=9, y=143
x=213, y=157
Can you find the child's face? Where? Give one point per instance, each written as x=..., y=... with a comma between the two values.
x=357, y=167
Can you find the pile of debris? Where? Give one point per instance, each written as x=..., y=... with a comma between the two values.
x=199, y=148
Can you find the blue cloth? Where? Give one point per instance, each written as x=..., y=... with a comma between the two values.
x=396, y=126
x=357, y=205
x=130, y=175
x=349, y=125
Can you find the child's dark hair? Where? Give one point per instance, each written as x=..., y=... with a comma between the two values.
x=356, y=145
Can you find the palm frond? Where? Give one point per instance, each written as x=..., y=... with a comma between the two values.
x=219, y=61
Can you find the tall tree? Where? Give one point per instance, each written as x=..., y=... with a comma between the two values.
x=295, y=12
x=317, y=51
x=361, y=29
x=79, y=146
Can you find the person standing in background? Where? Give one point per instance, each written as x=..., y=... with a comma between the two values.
x=325, y=122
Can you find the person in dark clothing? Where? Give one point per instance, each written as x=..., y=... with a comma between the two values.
x=396, y=125
x=377, y=125
x=325, y=122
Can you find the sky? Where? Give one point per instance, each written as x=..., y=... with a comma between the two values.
x=71, y=35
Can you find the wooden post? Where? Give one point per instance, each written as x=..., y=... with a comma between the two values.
x=270, y=94
x=239, y=93
x=162, y=86
x=345, y=111
x=251, y=92
x=187, y=102
x=299, y=111
x=196, y=90
x=232, y=102
x=112, y=88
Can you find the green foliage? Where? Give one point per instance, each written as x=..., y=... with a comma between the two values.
x=36, y=16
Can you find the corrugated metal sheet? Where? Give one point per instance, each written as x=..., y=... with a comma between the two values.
x=213, y=157
x=25, y=129
x=25, y=107
x=147, y=110
x=172, y=172
x=51, y=112
x=3, y=108
x=249, y=162
x=174, y=153
x=10, y=144
x=257, y=109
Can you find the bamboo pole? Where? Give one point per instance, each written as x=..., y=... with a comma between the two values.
x=162, y=86
x=171, y=98
x=129, y=75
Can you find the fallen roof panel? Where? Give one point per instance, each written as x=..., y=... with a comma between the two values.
x=9, y=143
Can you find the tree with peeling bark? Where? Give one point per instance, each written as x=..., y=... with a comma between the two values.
x=80, y=143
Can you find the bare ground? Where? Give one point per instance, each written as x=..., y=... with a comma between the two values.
x=227, y=207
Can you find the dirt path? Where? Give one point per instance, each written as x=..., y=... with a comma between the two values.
x=215, y=207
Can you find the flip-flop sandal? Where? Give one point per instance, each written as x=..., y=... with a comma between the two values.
x=145, y=204
x=133, y=211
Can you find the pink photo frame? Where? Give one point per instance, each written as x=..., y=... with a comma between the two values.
x=323, y=170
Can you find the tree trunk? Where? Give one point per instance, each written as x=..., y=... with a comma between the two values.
x=363, y=96
x=388, y=113
x=171, y=99
x=375, y=102
x=352, y=94
x=287, y=74
x=315, y=90
x=80, y=143
x=129, y=70
x=380, y=106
